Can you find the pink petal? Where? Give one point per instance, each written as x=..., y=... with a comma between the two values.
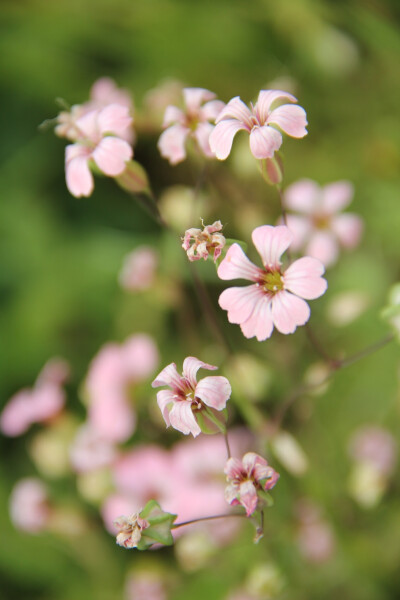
x=259, y=323
x=182, y=418
x=112, y=418
x=221, y=137
x=240, y=302
x=291, y=119
x=169, y=376
x=323, y=246
x=214, y=391
x=172, y=143
x=348, y=228
x=248, y=497
x=232, y=493
x=250, y=460
x=288, y=312
x=264, y=141
x=336, y=196
x=164, y=400
x=111, y=155
x=237, y=110
x=271, y=242
x=303, y=278
x=236, y=265
x=301, y=228
x=77, y=173
x=87, y=125
x=202, y=135
x=233, y=468
x=265, y=100
x=211, y=110
x=115, y=119
x=303, y=196
x=190, y=367
x=16, y=417
x=193, y=97
x=172, y=115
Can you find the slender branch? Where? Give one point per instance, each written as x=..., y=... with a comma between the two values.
x=228, y=449
x=177, y=525
x=318, y=346
x=346, y=362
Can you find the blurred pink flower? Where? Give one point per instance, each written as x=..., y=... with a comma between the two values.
x=39, y=404
x=320, y=228
x=99, y=138
x=146, y=585
x=111, y=373
x=315, y=537
x=260, y=122
x=138, y=269
x=90, y=451
x=29, y=508
x=199, y=243
x=187, y=397
x=276, y=297
x=193, y=121
x=245, y=478
x=376, y=446
x=105, y=91
x=130, y=530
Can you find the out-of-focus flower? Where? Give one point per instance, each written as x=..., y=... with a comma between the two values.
x=200, y=107
x=167, y=92
x=145, y=585
x=189, y=402
x=90, y=451
x=99, y=138
x=346, y=307
x=200, y=243
x=39, y=404
x=277, y=296
x=320, y=228
x=289, y=453
x=141, y=530
x=29, y=506
x=247, y=478
x=111, y=373
x=130, y=530
x=261, y=122
x=138, y=269
x=315, y=538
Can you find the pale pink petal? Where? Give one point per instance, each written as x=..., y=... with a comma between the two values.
x=172, y=115
x=232, y=493
x=210, y=111
x=248, y=497
x=214, y=391
x=87, y=125
x=271, y=242
x=259, y=323
x=190, y=367
x=303, y=196
x=291, y=119
x=202, y=135
x=77, y=173
x=164, y=400
x=47, y=401
x=301, y=228
x=236, y=265
x=172, y=143
x=240, y=302
x=115, y=119
x=16, y=417
x=111, y=155
x=348, y=228
x=264, y=141
x=323, y=246
x=112, y=417
x=193, y=97
x=182, y=418
x=265, y=100
x=221, y=137
x=236, y=109
x=289, y=311
x=169, y=376
x=139, y=356
x=104, y=91
x=336, y=196
x=233, y=468
x=303, y=278
x=249, y=461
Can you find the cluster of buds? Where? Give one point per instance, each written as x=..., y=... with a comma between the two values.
x=200, y=243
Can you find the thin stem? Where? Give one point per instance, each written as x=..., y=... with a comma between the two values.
x=318, y=346
x=346, y=362
x=228, y=449
x=177, y=525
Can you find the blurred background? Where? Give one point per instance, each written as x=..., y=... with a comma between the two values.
x=60, y=295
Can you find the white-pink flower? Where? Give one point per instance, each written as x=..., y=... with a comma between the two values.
x=100, y=134
x=246, y=478
x=276, y=297
x=262, y=121
x=29, y=506
x=130, y=530
x=200, y=107
x=199, y=243
x=319, y=227
x=187, y=399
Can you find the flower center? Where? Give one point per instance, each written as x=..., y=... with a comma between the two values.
x=272, y=281
x=321, y=221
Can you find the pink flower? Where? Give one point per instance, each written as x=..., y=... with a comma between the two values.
x=138, y=269
x=187, y=398
x=246, y=478
x=146, y=585
x=205, y=241
x=375, y=446
x=130, y=530
x=320, y=228
x=194, y=121
x=99, y=138
x=276, y=297
x=260, y=122
x=29, y=508
x=39, y=404
x=89, y=451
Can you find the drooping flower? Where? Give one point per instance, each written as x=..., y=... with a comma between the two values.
x=246, y=479
x=262, y=121
x=187, y=401
x=199, y=243
x=130, y=530
x=276, y=296
x=99, y=138
x=319, y=226
x=200, y=107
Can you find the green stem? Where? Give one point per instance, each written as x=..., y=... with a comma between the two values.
x=177, y=525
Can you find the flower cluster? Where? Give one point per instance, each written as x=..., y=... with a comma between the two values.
x=200, y=243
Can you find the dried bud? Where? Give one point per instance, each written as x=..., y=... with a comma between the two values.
x=200, y=243
x=130, y=530
x=141, y=530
